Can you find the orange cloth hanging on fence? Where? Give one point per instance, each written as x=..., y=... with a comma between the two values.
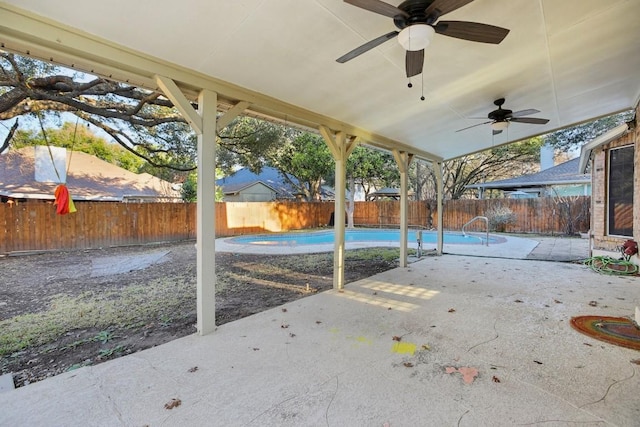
x=64, y=203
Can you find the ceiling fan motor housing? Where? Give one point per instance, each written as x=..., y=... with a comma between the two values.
x=500, y=115
x=416, y=10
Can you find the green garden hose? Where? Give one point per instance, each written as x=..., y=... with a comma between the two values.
x=608, y=265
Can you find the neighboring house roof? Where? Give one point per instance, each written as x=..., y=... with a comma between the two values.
x=268, y=176
x=563, y=174
x=244, y=178
x=88, y=178
x=236, y=188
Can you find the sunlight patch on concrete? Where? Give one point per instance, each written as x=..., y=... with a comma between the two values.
x=387, y=303
x=404, y=290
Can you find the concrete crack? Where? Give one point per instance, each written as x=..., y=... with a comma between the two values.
x=326, y=413
x=487, y=341
x=609, y=389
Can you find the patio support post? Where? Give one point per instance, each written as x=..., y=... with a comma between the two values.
x=440, y=190
x=203, y=122
x=340, y=148
x=403, y=159
x=206, y=214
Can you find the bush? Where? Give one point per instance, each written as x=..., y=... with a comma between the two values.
x=499, y=217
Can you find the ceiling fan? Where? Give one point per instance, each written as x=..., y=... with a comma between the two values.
x=500, y=118
x=416, y=20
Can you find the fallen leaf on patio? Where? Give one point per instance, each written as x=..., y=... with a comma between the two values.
x=375, y=293
x=284, y=326
x=284, y=310
x=586, y=343
x=318, y=322
x=495, y=379
x=195, y=368
x=518, y=300
x=292, y=335
x=408, y=364
x=255, y=349
x=450, y=370
x=173, y=403
x=426, y=347
x=593, y=303
x=635, y=361
x=397, y=338
x=452, y=310
x=389, y=308
x=468, y=374
x=539, y=363
x=557, y=302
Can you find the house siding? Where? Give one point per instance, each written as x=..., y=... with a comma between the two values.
x=602, y=243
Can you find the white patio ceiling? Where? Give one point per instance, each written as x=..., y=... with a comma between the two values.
x=574, y=60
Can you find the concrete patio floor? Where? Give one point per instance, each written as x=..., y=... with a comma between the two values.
x=331, y=359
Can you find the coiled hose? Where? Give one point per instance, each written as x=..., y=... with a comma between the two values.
x=608, y=265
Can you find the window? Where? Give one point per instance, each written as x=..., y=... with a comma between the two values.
x=620, y=202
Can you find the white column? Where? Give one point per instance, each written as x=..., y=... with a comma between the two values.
x=403, y=159
x=438, y=169
x=340, y=148
x=340, y=211
x=206, y=228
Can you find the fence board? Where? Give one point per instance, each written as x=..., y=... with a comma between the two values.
x=34, y=226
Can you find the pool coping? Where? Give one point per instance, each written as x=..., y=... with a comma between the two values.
x=511, y=247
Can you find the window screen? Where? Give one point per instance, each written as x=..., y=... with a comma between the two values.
x=621, y=191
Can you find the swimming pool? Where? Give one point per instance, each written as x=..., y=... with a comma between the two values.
x=369, y=235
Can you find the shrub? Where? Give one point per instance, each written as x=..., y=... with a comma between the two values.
x=499, y=217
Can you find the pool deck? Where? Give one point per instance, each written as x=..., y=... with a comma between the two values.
x=540, y=248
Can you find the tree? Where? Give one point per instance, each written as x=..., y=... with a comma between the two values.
x=573, y=137
x=497, y=163
x=307, y=158
x=79, y=138
x=143, y=122
x=249, y=142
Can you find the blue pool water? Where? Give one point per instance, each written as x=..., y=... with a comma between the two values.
x=372, y=235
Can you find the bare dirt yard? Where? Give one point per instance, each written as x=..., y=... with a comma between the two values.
x=63, y=310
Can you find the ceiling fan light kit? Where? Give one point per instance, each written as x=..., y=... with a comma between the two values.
x=499, y=126
x=416, y=37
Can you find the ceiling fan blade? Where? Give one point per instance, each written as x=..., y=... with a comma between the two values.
x=445, y=6
x=524, y=113
x=473, y=31
x=472, y=126
x=414, y=62
x=379, y=7
x=496, y=132
x=530, y=120
x=366, y=47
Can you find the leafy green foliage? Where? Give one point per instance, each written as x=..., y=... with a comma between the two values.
x=79, y=138
x=372, y=169
x=573, y=137
x=307, y=158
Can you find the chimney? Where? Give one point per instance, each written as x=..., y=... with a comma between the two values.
x=546, y=157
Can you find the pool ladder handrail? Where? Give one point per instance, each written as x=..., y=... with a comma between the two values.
x=486, y=220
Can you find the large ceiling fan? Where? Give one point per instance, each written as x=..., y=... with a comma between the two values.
x=500, y=118
x=416, y=20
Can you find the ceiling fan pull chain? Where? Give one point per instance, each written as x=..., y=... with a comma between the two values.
x=422, y=94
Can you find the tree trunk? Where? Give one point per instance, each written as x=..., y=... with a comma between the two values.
x=351, y=202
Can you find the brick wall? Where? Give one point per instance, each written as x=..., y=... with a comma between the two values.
x=602, y=243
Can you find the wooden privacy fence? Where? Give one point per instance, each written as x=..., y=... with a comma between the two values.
x=34, y=226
